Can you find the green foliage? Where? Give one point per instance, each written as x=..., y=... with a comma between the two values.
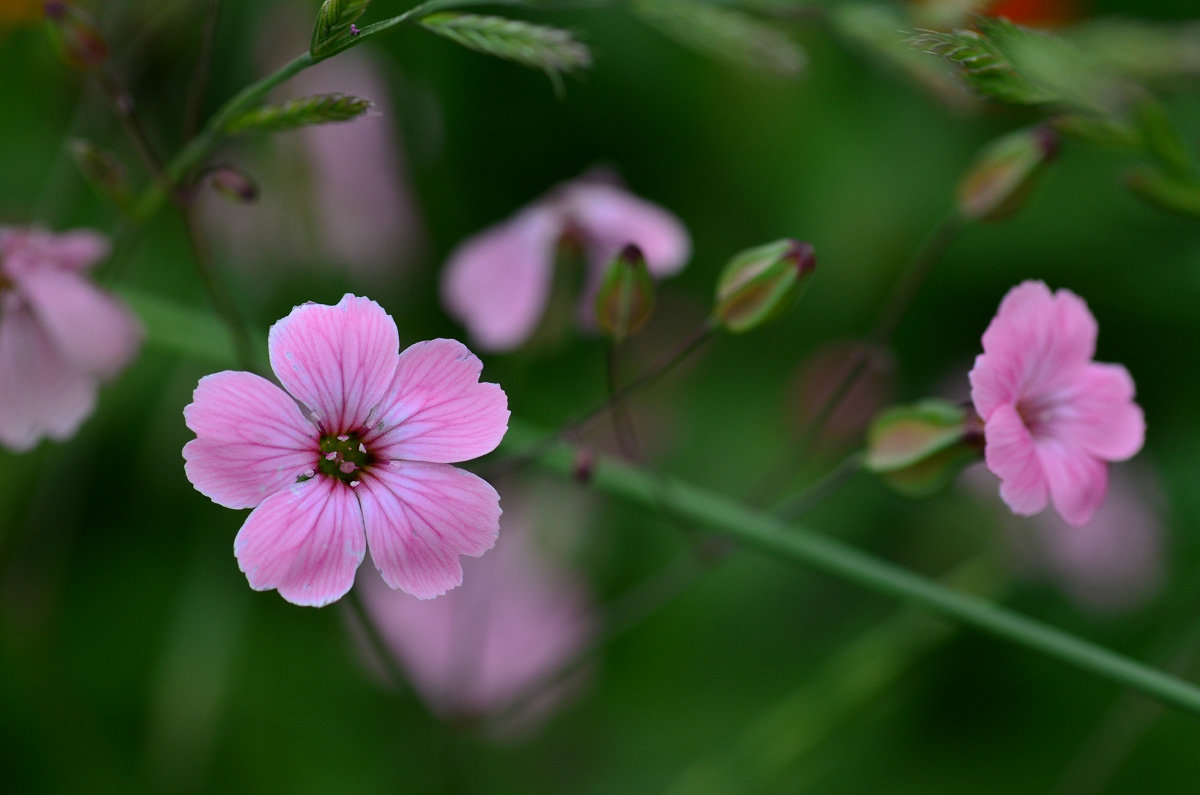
x=725, y=34
x=333, y=24
x=552, y=50
x=317, y=109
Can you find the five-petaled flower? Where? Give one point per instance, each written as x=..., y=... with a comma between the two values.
x=366, y=463
x=497, y=282
x=1053, y=418
x=60, y=336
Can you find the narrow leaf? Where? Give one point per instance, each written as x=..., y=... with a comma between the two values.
x=724, y=33
x=317, y=109
x=553, y=50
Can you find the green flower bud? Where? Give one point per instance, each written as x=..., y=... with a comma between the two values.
x=233, y=184
x=918, y=449
x=1004, y=174
x=625, y=299
x=760, y=283
x=77, y=35
x=103, y=171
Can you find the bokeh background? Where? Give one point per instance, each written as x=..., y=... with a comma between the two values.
x=133, y=657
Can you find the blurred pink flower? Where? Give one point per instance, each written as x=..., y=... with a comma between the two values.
x=367, y=464
x=60, y=336
x=1053, y=417
x=497, y=283
x=1114, y=562
x=516, y=621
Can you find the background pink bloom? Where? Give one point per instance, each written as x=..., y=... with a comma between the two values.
x=1053, y=417
x=365, y=464
x=520, y=616
x=60, y=336
x=497, y=282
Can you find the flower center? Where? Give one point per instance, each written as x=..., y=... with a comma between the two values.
x=1036, y=413
x=344, y=457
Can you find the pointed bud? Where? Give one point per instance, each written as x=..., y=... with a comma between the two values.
x=1003, y=175
x=302, y=112
x=233, y=184
x=625, y=299
x=335, y=24
x=918, y=449
x=77, y=35
x=760, y=283
x=103, y=171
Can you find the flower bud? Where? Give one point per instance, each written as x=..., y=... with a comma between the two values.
x=233, y=185
x=918, y=449
x=760, y=283
x=625, y=299
x=1005, y=172
x=103, y=171
x=78, y=36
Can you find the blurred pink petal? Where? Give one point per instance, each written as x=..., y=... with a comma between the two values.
x=59, y=335
x=337, y=360
x=497, y=282
x=1053, y=417
x=609, y=218
x=95, y=331
x=306, y=541
x=518, y=618
x=325, y=486
x=420, y=517
x=252, y=440
x=440, y=411
x=41, y=393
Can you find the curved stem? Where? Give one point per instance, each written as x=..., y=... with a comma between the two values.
x=774, y=537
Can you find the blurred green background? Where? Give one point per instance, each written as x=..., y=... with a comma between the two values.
x=133, y=657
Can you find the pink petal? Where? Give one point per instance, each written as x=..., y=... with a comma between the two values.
x=29, y=249
x=610, y=218
x=441, y=412
x=93, y=329
x=1098, y=414
x=336, y=360
x=1078, y=482
x=420, y=517
x=497, y=282
x=1043, y=335
x=995, y=381
x=1011, y=455
x=41, y=392
x=251, y=439
x=305, y=542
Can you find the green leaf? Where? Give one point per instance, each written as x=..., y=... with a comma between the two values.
x=317, y=109
x=552, y=50
x=334, y=21
x=724, y=33
x=1169, y=192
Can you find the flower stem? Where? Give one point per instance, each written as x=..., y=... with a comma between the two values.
x=774, y=537
x=173, y=327
x=379, y=648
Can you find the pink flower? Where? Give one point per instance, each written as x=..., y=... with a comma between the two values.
x=60, y=336
x=520, y=616
x=366, y=463
x=497, y=283
x=1053, y=417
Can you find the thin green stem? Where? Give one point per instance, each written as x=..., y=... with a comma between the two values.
x=774, y=537
x=191, y=112
x=221, y=300
x=379, y=647
x=168, y=326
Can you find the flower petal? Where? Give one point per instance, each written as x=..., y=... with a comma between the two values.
x=336, y=360
x=1098, y=414
x=497, y=282
x=611, y=218
x=41, y=392
x=420, y=517
x=1044, y=335
x=1011, y=455
x=1078, y=481
x=93, y=329
x=441, y=412
x=251, y=439
x=75, y=250
x=305, y=542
